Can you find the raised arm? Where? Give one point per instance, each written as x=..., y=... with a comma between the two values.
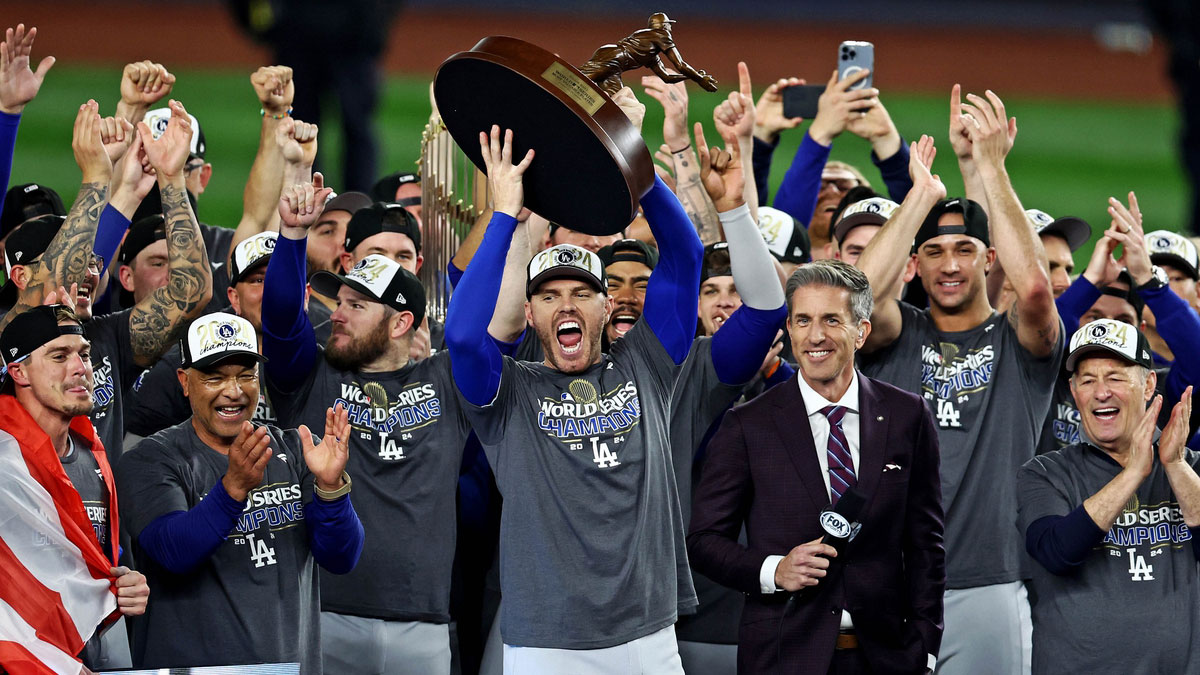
x=699, y=209
x=1018, y=248
x=888, y=151
x=19, y=84
x=156, y=321
x=475, y=359
x=143, y=84
x=885, y=257
x=670, y=305
x=734, y=119
x=274, y=88
x=66, y=259
x=801, y=184
x=289, y=342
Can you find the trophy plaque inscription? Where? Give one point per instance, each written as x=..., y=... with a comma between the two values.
x=591, y=166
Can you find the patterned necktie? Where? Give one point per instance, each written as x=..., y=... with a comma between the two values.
x=841, y=465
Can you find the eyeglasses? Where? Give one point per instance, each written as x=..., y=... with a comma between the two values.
x=841, y=184
x=95, y=262
x=192, y=166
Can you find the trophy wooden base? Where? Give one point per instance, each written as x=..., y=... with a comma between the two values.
x=591, y=166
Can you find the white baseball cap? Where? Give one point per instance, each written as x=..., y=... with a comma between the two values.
x=1117, y=338
x=1076, y=231
x=566, y=260
x=250, y=253
x=157, y=121
x=873, y=211
x=1173, y=249
x=218, y=336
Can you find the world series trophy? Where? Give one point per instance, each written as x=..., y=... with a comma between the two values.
x=591, y=166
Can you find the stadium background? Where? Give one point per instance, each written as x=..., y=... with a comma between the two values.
x=1085, y=81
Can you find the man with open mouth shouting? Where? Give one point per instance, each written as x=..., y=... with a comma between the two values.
x=591, y=531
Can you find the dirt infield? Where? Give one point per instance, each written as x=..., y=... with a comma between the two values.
x=1028, y=63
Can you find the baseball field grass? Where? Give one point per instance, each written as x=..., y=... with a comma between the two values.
x=1070, y=155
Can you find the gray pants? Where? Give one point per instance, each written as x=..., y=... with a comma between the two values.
x=704, y=658
x=353, y=645
x=654, y=654
x=988, y=630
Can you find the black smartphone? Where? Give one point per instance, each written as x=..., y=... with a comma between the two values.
x=801, y=100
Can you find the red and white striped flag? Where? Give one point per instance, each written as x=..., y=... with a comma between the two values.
x=55, y=588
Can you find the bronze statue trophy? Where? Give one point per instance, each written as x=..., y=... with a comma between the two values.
x=592, y=166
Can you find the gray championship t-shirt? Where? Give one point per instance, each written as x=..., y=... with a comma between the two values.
x=592, y=552
x=989, y=398
x=698, y=400
x=157, y=401
x=406, y=446
x=84, y=472
x=1133, y=606
x=255, y=600
x=113, y=371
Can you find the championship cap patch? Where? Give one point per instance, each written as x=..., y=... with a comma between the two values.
x=873, y=211
x=566, y=261
x=251, y=253
x=215, y=337
x=379, y=278
x=1173, y=249
x=1108, y=337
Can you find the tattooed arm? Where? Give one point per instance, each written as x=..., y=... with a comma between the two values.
x=156, y=321
x=65, y=261
x=695, y=201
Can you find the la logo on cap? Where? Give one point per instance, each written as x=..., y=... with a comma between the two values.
x=368, y=269
x=565, y=256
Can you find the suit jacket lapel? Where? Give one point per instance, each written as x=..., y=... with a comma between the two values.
x=791, y=421
x=872, y=434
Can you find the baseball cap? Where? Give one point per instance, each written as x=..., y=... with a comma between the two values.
x=157, y=121
x=23, y=202
x=566, y=260
x=379, y=278
x=1109, y=337
x=215, y=337
x=786, y=241
x=31, y=329
x=28, y=241
x=385, y=188
x=348, y=202
x=251, y=253
x=715, y=262
x=872, y=211
x=628, y=250
x=1173, y=249
x=141, y=234
x=381, y=217
x=975, y=221
x=1076, y=231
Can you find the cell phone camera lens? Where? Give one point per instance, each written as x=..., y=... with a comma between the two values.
x=845, y=57
x=852, y=54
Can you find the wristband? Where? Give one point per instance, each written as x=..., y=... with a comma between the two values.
x=330, y=495
x=686, y=147
x=263, y=112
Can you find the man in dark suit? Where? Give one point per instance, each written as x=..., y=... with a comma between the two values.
x=779, y=461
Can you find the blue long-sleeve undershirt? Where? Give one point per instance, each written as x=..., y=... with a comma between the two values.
x=180, y=541
x=335, y=534
x=8, y=146
x=1077, y=299
x=801, y=184
x=289, y=342
x=738, y=354
x=110, y=231
x=670, y=305
x=894, y=171
x=1062, y=543
x=1179, y=326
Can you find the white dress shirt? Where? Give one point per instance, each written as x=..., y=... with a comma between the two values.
x=819, y=424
